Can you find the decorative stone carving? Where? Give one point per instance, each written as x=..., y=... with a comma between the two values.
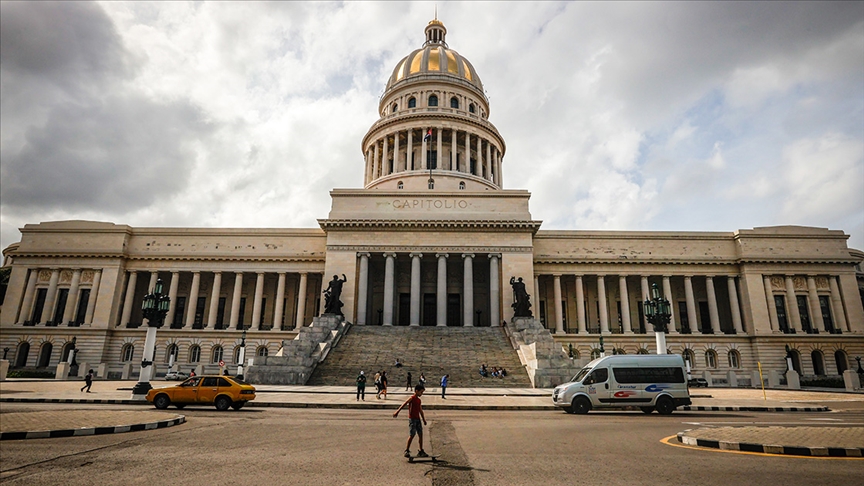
x=44, y=275
x=822, y=283
x=65, y=276
x=87, y=276
x=778, y=283
x=800, y=283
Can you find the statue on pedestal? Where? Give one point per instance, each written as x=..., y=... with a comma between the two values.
x=521, y=305
x=332, y=304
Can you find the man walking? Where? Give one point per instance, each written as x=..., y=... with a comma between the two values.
x=88, y=381
x=444, y=380
x=408, y=382
x=361, y=387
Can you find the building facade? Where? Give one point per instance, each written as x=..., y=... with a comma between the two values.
x=433, y=239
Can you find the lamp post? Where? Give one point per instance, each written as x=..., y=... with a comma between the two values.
x=602, y=351
x=154, y=309
x=659, y=313
x=242, y=357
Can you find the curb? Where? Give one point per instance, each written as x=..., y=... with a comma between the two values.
x=119, y=429
x=690, y=408
x=771, y=449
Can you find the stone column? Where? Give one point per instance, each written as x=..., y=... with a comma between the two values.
x=479, y=156
x=214, y=300
x=691, y=304
x=409, y=150
x=415, y=288
x=625, y=304
x=368, y=173
x=837, y=304
x=494, y=291
x=468, y=153
x=256, y=304
x=815, y=308
x=792, y=305
x=772, y=309
x=27, y=301
x=453, y=163
x=172, y=298
x=51, y=296
x=604, y=310
x=192, y=306
x=559, y=311
x=376, y=162
x=667, y=294
x=385, y=157
x=441, y=297
x=236, y=318
x=734, y=308
x=362, y=289
x=468, y=290
x=500, y=171
x=94, y=292
x=646, y=296
x=300, y=321
x=440, y=148
x=389, y=283
x=712, y=305
x=69, y=311
x=279, y=305
x=130, y=295
x=489, y=175
x=580, y=306
x=396, y=162
x=423, y=160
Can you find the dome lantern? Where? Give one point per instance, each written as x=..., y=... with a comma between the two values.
x=435, y=33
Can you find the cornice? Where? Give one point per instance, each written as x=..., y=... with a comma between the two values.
x=441, y=225
x=685, y=260
x=455, y=250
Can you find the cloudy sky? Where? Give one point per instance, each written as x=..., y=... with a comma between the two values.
x=637, y=116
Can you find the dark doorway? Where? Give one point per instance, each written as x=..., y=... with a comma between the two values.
x=45, y=355
x=430, y=310
x=404, y=309
x=41, y=295
x=83, y=300
x=199, y=313
x=805, y=314
x=705, y=316
x=453, y=310
x=22, y=354
x=60, y=308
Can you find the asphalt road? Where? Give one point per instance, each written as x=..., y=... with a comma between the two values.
x=324, y=447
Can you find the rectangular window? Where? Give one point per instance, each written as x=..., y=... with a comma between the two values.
x=705, y=316
x=564, y=314
x=60, y=307
x=261, y=315
x=284, y=307
x=179, y=310
x=454, y=306
x=433, y=159
x=199, y=313
x=782, y=320
x=640, y=307
x=41, y=295
x=685, y=319
x=83, y=299
x=657, y=374
x=543, y=313
x=220, y=314
x=825, y=306
x=805, y=314
x=430, y=311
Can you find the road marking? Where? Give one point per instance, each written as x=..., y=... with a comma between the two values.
x=826, y=419
x=669, y=441
x=714, y=424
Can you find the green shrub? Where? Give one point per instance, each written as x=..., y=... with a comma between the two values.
x=824, y=382
x=30, y=374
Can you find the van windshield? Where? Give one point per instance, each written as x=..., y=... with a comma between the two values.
x=581, y=374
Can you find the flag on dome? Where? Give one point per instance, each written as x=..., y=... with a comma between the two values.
x=428, y=135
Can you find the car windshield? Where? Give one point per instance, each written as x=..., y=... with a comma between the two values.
x=581, y=374
x=191, y=381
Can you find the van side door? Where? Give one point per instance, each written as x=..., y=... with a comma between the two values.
x=597, y=386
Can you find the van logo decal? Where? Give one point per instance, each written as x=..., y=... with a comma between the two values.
x=655, y=388
x=624, y=394
x=592, y=390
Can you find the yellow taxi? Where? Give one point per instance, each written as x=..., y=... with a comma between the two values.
x=222, y=391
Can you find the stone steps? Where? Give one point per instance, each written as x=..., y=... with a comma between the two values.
x=433, y=351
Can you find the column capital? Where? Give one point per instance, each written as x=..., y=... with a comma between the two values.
x=415, y=255
x=667, y=276
x=364, y=254
x=217, y=272
x=556, y=275
x=389, y=254
x=442, y=255
x=196, y=272
x=578, y=275
x=467, y=255
x=494, y=255
x=710, y=276
x=688, y=277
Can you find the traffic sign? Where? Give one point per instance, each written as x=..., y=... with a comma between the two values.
x=221, y=363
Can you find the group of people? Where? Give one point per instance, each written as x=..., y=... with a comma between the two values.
x=494, y=372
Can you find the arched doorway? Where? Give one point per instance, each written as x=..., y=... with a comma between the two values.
x=44, y=355
x=22, y=354
x=818, y=362
x=67, y=348
x=796, y=361
x=841, y=361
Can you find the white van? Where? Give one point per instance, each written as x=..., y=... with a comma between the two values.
x=646, y=381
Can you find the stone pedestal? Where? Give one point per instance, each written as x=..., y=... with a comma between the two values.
x=4, y=369
x=101, y=370
x=127, y=371
x=755, y=379
x=62, y=371
x=733, y=379
x=851, y=380
x=83, y=368
x=792, y=380
x=707, y=375
x=545, y=360
x=773, y=379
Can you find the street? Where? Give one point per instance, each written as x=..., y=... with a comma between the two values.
x=326, y=446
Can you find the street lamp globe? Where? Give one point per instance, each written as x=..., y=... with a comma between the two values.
x=658, y=311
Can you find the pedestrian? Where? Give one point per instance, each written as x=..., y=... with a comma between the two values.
x=422, y=380
x=384, y=384
x=225, y=372
x=408, y=382
x=415, y=414
x=378, y=385
x=88, y=381
x=192, y=373
x=444, y=380
x=361, y=387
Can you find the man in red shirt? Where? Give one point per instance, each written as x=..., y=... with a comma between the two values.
x=415, y=414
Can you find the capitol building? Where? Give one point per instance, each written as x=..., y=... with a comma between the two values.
x=432, y=238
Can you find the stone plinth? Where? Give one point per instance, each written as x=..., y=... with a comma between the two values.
x=793, y=382
x=4, y=368
x=851, y=380
x=545, y=360
x=62, y=371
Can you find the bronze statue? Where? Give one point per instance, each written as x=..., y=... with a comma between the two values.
x=522, y=304
x=332, y=304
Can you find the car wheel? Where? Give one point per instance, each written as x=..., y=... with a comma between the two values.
x=180, y=406
x=646, y=409
x=665, y=406
x=581, y=405
x=222, y=403
x=237, y=405
x=161, y=401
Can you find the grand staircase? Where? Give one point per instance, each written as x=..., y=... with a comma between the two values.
x=433, y=351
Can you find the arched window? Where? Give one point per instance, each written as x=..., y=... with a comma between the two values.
x=216, y=354
x=642, y=351
x=172, y=350
x=471, y=108
x=818, y=362
x=454, y=102
x=734, y=359
x=841, y=360
x=433, y=100
x=595, y=353
x=619, y=351
x=237, y=355
x=412, y=102
x=462, y=186
x=67, y=348
x=796, y=361
x=710, y=359
x=195, y=354
x=395, y=108
x=44, y=355
x=22, y=354
x=127, y=353
x=400, y=185
x=689, y=356
x=261, y=351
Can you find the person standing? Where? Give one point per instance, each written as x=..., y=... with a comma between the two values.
x=361, y=387
x=378, y=385
x=384, y=384
x=444, y=380
x=408, y=382
x=422, y=380
x=88, y=381
x=415, y=414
